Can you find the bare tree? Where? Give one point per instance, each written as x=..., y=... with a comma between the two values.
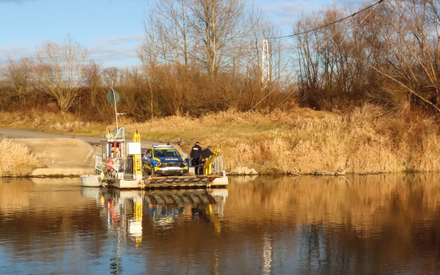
x=174, y=28
x=212, y=34
x=150, y=50
x=188, y=40
x=20, y=77
x=93, y=79
x=216, y=24
x=60, y=70
x=111, y=77
x=411, y=33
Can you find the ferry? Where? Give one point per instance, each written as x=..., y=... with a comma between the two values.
x=125, y=165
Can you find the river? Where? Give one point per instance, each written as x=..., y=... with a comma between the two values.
x=375, y=224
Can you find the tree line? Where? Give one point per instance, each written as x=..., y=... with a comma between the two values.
x=202, y=56
x=388, y=55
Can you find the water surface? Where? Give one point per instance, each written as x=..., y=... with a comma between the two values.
x=374, y=224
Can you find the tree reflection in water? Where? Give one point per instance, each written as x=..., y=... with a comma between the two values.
x=262, y=225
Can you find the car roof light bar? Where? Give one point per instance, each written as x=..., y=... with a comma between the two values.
x=162, y=145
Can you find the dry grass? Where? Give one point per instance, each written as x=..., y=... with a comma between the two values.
x=301, y=141
x=16, y=159
x=304, y=141
x=63, y=123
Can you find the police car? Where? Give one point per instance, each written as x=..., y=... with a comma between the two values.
x=164, y=160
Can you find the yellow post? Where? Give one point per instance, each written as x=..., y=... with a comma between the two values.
x=138, y=217
x=214, y=219
x=137, y=137
x=138, y=211
x=137, y=161
x=208, y=163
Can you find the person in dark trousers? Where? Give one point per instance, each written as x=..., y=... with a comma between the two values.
x=196, y=155
x=206, y=154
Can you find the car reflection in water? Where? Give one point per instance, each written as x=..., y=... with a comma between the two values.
x=126, y=210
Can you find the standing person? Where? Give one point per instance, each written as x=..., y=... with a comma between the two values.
x=206, y=154
x=196, y=155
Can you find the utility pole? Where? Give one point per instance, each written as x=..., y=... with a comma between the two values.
x=265, y=63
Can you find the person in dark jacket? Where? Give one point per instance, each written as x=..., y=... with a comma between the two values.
x=196, y=155
x=206, y=154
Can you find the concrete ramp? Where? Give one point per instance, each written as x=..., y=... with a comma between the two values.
x=61, y=156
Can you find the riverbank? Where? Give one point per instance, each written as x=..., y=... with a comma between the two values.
x=301, y=141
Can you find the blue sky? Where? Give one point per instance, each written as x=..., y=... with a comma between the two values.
x=111, y=30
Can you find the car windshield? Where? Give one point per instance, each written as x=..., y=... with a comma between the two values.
x=166, y=153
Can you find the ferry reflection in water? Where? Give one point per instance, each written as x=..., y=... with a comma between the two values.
x=128, y=210
x=138, y=214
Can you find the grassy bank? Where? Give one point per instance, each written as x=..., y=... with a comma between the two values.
x=301, y=141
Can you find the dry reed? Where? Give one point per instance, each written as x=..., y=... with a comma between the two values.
x=16, y=159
